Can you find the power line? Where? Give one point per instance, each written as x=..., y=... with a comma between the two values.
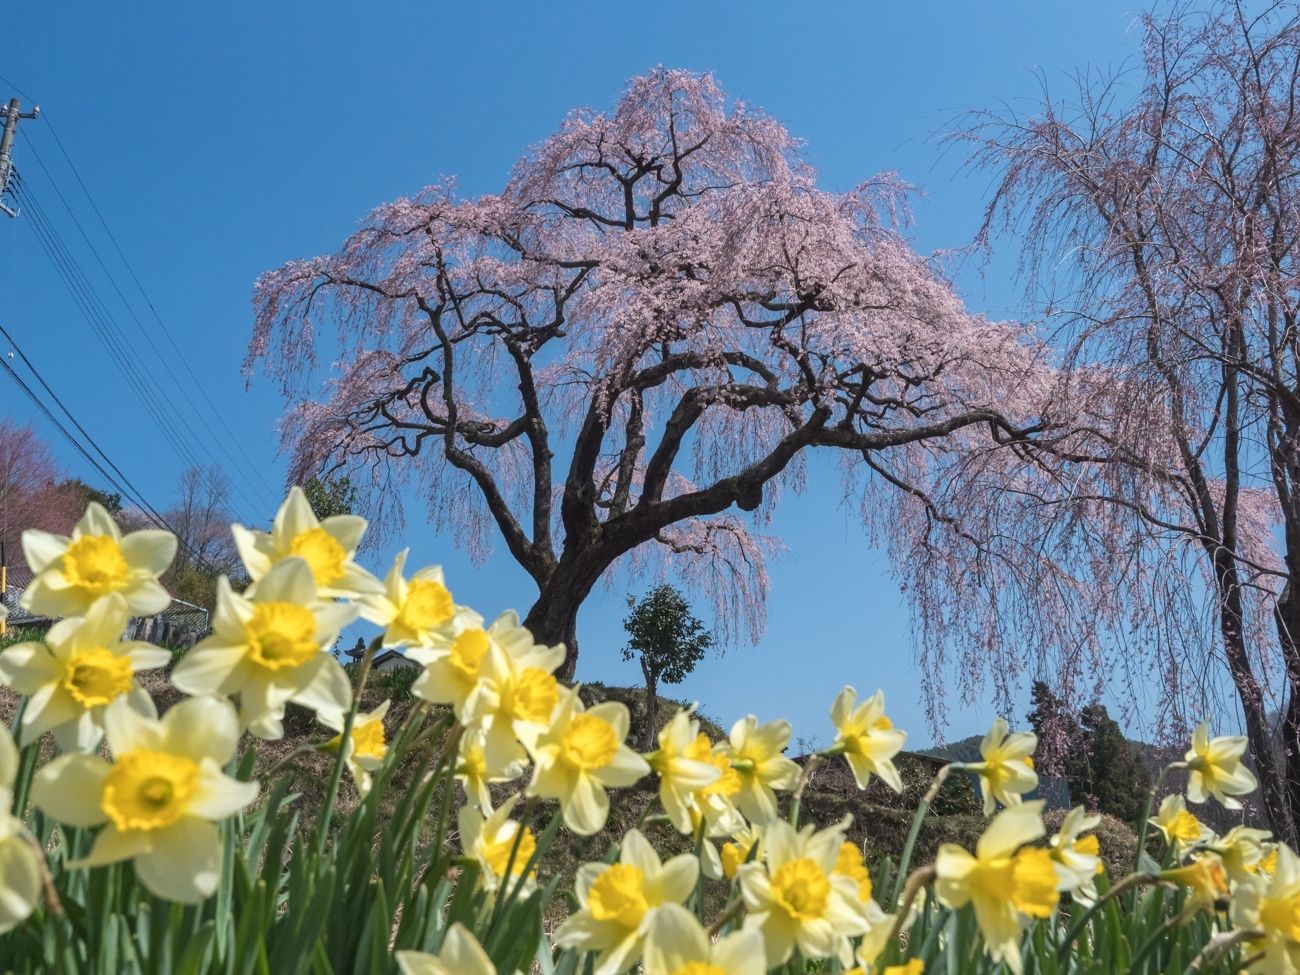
x=125, y=492
x=18, y=91
x=54, y=134
x=127, y=489
x=122, y=343
x=96, y=312
x=105, y=327
x=100, y=319
x=80, y=429
x=77, y=445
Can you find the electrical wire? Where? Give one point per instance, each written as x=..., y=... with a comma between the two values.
x=100, y=319
x=70, y=271
x=180, y=356
x=109, y=332
x=68, y=413
x=180, y=391
x=115, y=342
x=123, y=489
x=18, y=91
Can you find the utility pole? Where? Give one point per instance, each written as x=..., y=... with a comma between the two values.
x=12, y=114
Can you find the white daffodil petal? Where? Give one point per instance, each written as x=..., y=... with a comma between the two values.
x=129, y=730
x=209, y=669
x=218, y=795
x=41, y=549
x=20, y=882
x=201, y=727
x=184, y=864
x=327, y=689
x=69, y=788
x=150, y=549
x=113, y=846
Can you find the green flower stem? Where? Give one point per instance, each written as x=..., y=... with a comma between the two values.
x=911, y=889
x=327, y=808
x=1216, y=948
x=418, y=710
x=1131, y=881
x=1158, y=935
x=449, y=746
x=918, y=817
x=805, y=777
x=697, y=895
x=732, y=911
x=1146, y=811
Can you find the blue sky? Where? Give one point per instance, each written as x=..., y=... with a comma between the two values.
x=220, y=140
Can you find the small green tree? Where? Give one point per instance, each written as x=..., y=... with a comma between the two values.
x=330, y=496
x=668, y=640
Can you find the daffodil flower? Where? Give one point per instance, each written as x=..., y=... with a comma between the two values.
x=366, y=745
x=415, y=612
x=1267, y=865
x=159, y=797
x=581, y=755
x=1005, y=884
x=1203, y=876
x=1272, y=907
x=328, y=547
x=1007, y=768
x=272, y=649
x=1180, y=828
x=80, y=668
x=460, y=955
x=1241, y=849
x=796, y=899
x=866, y=738
x=492, y=840
x=714, y=803
x=677, y=944
x=1077, y=858
x=20, y=871
x=737, y=850
x=70, y=574
x=618, y=902
x=680, y=775
x=851, y=863
x=475, y=774
x=755, y=753
x=467, y=676
x=515, y=694
x=1214, y=768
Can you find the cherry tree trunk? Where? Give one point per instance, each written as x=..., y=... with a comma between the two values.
x=554, y=617
x=1277, y=807
x=1287, y=615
